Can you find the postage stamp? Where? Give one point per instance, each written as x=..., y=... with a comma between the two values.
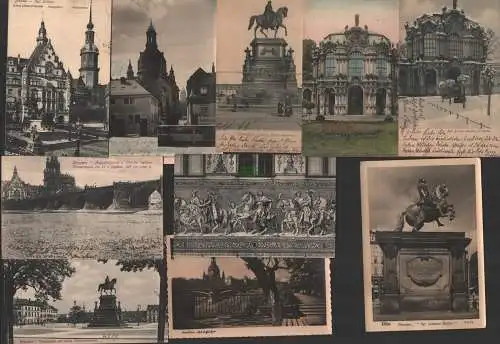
x=82, y=208
x=254, y=204
x=423, y=244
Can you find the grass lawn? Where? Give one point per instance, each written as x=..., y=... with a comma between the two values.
x=349, y=138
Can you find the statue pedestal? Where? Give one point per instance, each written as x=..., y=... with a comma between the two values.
x=423, y=271
x=107, y=314
x=269, y=73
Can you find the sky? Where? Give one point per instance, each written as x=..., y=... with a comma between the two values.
x=67, y=40
x=193, y=267
x=30, y=169
x=132, y=288
x=392, y=189
x=233, y=36
x=323, y=17
x=485, y=12
x=185, y=33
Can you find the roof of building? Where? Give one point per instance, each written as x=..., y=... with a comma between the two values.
x=35, y=303
x=127, y=87
x=152, y=307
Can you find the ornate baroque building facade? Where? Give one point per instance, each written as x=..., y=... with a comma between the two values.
x=41, y=85
x=442, y=46
x=352, y=74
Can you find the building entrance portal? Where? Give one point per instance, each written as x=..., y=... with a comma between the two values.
x=381, y=101
x=430, y=82
x=355, y=101
x=330, y=98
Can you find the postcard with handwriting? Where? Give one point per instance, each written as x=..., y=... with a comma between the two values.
x=56, y=91
x=254, y=205
x=423, y=253
x=259, y=60
x=214, y=297
x=448, y=83
x=162, y=90
x=86, y=208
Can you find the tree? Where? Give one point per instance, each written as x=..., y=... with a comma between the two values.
x=488, y=74
x=491, y=44
x=160, y=266
x=308, y=46
x=44, y=276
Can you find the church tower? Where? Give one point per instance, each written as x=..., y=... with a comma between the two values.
x=130, y=71
x=51, y=173
x=152, y=64
x=89, y=69
x=42, y=34
x=213, y=272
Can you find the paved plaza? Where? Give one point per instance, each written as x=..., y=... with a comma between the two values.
x=250, y=119
x=432, y=112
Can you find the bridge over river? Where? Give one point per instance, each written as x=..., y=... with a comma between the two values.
x=119, y=196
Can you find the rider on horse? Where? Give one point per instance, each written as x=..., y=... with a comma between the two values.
x=269, y=13
x=426, y=200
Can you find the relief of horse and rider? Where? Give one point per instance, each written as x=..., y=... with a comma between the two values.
x=269, y=20
x=256, y=214
x=431, y=207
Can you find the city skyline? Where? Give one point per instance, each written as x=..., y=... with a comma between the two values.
x=28, y=19
x=233, y=36
x=82, y=286
x=323, y=17
x=190, y=267
x=30, y=170
x=392, y=189
x=191, y=47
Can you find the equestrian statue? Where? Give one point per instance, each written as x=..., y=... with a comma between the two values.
x=269, y=20
x=108, y=285
x=431, y=207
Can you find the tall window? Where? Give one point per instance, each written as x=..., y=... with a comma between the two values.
x=455, y=46
x=330, y=65
x=255, y=165
x=356, y=64
x=430, y=47
x=381, y=65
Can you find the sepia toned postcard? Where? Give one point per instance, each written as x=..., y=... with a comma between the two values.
x=55, y=208
x=254, y=204
x=259, y=63
x=423, y=247
x=57, y=88
x=349, y=88
x=448, y=79
x=85, y=301
x=215, y=297
x=162, y=90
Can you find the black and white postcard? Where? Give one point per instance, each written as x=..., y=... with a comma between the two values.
x=259, y=61
x=448, y=78
x=58, y=77
x=82, y=208
x=211, y=297
x=162, y=91
x=423, y=245
x=254, y=205
x=84, y=301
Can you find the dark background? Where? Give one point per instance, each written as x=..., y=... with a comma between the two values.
x=347, y=273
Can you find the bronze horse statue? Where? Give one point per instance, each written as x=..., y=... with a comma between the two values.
x=107, y=285
x=417, y=215
x=261, y=22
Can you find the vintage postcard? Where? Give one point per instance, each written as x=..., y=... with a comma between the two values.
x=259, y=62
x=349, y=93
x=213, y=297
x=448, y=82
x=85, y=301
x=423, y=245
x=57, y=88
x=162, y=90
x=254, y=205
x=54, y=208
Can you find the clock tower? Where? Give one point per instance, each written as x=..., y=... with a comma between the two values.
x=89, y=53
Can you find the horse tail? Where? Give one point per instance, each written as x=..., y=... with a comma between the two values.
x=400, y=222
x=252, y=21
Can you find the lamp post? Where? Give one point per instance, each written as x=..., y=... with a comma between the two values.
x=488, y=74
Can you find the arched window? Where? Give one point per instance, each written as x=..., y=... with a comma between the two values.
x=381, y=66
x=430, y=47
x=455, y=46
x=356, y=64
x=330, y=65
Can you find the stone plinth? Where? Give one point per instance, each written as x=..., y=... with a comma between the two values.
x=107, y=314
x=423, y=271
x=269, y=73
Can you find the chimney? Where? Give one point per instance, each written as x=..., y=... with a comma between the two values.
x=356, y=20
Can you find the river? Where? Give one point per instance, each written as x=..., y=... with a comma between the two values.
x=82, y=234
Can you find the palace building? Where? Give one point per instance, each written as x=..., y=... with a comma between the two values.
x=152, y=80
x=41, y=85
x=352, y=74
x=442, y=46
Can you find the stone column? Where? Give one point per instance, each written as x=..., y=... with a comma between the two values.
x=390, y=296
x=459, y=293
